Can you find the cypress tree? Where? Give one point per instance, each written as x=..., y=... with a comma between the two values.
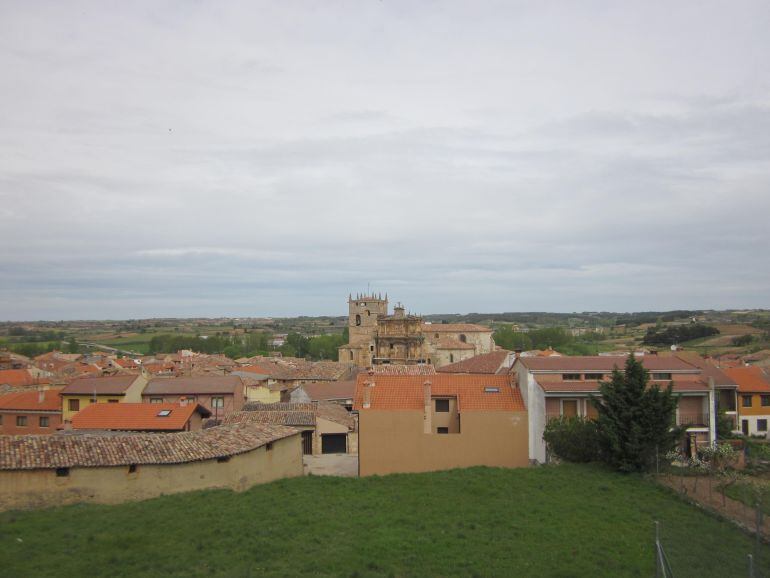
x=635, y=418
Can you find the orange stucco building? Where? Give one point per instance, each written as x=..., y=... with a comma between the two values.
x=421, y=423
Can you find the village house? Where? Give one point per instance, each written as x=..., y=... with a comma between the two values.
x=220, y=394
x=562, y=386
x=112, y=467
x=339, y=392
x=754, y=395
x=148, y=417
x=82, y=392
x=326, y=428
x=414, y=423
x=376, y=338
x=31, y=411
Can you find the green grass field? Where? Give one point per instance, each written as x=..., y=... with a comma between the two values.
x=554, y=521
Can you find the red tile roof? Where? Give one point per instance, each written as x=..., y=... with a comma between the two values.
x=405, y=392
x=326, y=390
x=193, y=385
x=484, y=363
x=112, y=385
x=94, y=450
x=750, y=379
x=30, y=400
x=137, y=416
x=16, y=377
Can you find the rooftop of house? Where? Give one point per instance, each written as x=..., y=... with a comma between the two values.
x=16, y=377
x=93, y=450
x=605, y=363
x=32, y=400
x=137, y=416
x=292, y=368
x=455, y=328
x=485, y=363
x=708, y=367
x=750, y=379
x=286, y=418
x=111, y=385
x=406, y=392
x=329, y=390
x=193, y=385
x=330, y=411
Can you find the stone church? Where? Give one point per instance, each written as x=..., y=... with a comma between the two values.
x=376, y=337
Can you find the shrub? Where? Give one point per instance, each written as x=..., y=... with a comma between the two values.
x=574, y=439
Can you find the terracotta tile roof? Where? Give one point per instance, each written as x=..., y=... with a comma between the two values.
x=29, y=400
x=137, y=416
x=16, y=377
x=112, y=385
x=455, y=328
x=750, y=379
x=193, y=385
x=126, y=362
x=390, y=369
x=603, y=363
x=292, y=369
x=707, y=366
x=452, y=343
x=328, y=390
x=484, y=363
x=94, y=450
x=554, y=384
x=405, y=392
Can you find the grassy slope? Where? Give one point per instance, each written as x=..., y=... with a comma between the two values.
x=557, y=521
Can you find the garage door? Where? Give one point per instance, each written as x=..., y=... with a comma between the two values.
x=334, y=443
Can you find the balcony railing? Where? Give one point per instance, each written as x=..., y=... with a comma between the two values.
x=693, y=419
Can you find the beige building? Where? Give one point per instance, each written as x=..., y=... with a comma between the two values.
x=417, y=423
x=377, y=338
x=43, y=471
x=84, y=391
x=326, y=428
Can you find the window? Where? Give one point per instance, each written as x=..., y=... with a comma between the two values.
x=451, y=358
x=132, y=468
x=570, y=376
x=442, y=430
x=436, y=336
x=73, y=404
x=761, y=425
x=371, y=348
x=112, y=401
x=593, y=376
x=43, y=421
x=164, y=413
x=765, y=400
x=1, y=419
x=463, y=338
x=269, y=447
x=218, y=402
x=661, y=376
x=358, y=319
x=368, y=313
x=62, y=472
x=442, y=405
x=223, y=459
x=21, y=421
x=746, y=400
x=156, y=400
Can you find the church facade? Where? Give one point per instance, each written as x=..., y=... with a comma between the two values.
x=378, y=337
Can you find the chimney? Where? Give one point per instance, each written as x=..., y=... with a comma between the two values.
x=367, y=394
x=428, y=409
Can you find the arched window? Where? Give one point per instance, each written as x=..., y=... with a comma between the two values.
x=368, y=313
x=463, y=338
x=358, y=319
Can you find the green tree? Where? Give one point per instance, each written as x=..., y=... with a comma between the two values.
x=511, y=340
x=575, y=439
x=635, y=419
x=72, y=346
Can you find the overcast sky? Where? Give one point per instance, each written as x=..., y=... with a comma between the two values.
x=257, y=158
